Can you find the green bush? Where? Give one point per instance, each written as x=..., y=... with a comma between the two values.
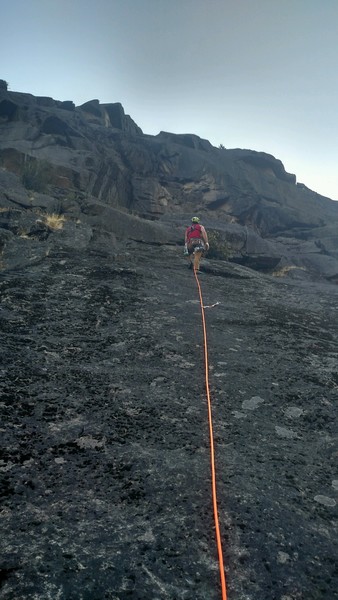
x=219, y=248
x=36, y=175
x=3, y=85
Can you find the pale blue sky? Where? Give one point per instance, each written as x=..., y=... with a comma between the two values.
x=258, y=74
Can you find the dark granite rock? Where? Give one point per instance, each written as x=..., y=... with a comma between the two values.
x=92, y=107
x=55, y=125
x=105, y=473
x=96, y=150
x=8, y=110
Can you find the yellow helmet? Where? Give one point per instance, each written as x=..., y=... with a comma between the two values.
x=195, y=220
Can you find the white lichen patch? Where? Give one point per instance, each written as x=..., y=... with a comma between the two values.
x=252, y=403
x=325, y=500
x=283, y=557
x=293, y=412
x=87, y=441
x=284, y=432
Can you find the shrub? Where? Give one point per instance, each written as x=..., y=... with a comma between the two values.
x=219, y=248
x=283, y=271
x=36, y=175
x=3, y=85
x=54, y=221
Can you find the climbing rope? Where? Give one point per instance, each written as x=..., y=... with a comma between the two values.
x=212, y=451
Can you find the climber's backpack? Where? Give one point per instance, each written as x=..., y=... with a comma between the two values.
x=195, y=231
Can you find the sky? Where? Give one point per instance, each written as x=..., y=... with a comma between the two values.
x=256, y=74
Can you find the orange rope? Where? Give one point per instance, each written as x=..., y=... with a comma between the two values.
x=212, y=451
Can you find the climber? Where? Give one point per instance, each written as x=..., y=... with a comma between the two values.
x=196, y=243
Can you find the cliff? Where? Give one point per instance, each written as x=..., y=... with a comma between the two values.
x=94, y=156
x=105, y=463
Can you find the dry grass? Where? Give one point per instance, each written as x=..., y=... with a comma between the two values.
x=23, y=233
x=54, y=221
x=285, y=270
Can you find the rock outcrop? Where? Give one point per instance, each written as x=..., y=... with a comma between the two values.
x=95, y=151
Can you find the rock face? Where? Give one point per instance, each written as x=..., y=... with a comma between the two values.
x=97, y=152
x=104, y=471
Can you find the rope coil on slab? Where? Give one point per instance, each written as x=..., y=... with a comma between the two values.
x=212, y=450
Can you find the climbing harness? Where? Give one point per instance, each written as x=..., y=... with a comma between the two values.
x=212, y=451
